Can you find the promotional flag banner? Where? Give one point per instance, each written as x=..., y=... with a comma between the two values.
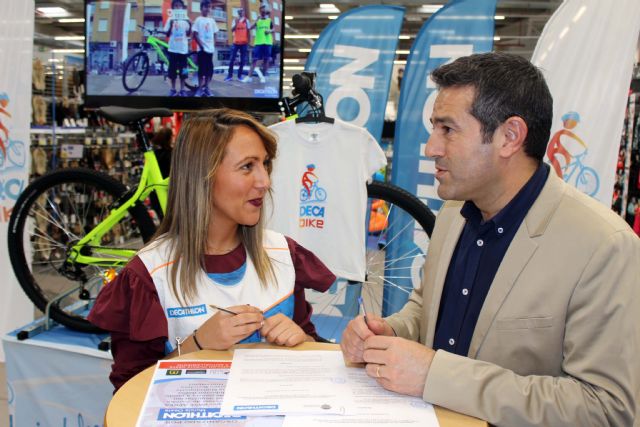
x=353, y=61
x=460, y=28
x=16, y=49
x=588, y=62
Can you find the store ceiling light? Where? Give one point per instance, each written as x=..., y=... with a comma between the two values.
x=304, y=50
x=69, y=37
x=70, y=20
x=53, y=12
x=404, y=37
x=293, y=68
x=332, y=17
x=67, y=50
x=499, y=17
x=288, y=18
x=429, y=8
x=291, y=60
x=328, y=8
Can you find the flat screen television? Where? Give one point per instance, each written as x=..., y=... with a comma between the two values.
x=130, y=46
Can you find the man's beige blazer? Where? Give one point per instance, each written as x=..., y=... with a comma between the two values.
x=557, y=342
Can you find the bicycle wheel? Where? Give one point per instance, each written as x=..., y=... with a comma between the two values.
x=192, y=81
x=394, y=256
x=53, y=213
x=587, y=181
x=135, y=71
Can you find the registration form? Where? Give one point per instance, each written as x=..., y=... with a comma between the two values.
x=284, y=382
x=375, y=406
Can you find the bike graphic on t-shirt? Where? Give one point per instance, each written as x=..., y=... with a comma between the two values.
x=311, y=191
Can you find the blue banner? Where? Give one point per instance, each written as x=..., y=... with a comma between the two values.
x=460, y=28
x=353, y=60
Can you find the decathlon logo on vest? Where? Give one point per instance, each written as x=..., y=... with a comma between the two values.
x=197, y=310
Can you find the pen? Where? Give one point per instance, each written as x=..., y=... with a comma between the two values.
x=364, y=312
x=223, y=309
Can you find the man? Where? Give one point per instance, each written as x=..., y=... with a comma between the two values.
x=240, y=31
x=527, y=313
x=263, y=42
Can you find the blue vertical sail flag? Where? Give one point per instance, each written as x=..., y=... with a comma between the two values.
x=460, y=28
x=353, y=62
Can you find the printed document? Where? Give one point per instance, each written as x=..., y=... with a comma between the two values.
x=284, y=382
x=376, y=406
x=189, y=393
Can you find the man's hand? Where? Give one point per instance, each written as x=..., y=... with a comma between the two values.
x=222, y=330
x=398, y=364
x=357, y=331
x=281, y=330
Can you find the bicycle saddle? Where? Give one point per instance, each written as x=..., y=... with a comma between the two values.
x=125, y=116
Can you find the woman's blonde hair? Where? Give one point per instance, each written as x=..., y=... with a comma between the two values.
x=199, y=150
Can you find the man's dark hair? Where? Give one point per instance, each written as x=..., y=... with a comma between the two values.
x=175, y=2
x=204, y=3
x=505, y=85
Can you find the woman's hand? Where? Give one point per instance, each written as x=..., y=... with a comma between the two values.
x=281, y=330
x=222, y=330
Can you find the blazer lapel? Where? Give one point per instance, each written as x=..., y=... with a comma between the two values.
x=522, y=248
x=457, y=224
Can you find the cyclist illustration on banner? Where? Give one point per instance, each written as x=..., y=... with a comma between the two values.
x=12, y=155
x=566, y=153
x=311, y=192
x=4, y=101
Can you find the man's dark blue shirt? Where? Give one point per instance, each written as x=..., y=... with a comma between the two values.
x=475, y=261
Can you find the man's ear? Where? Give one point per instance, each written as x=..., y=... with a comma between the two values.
x=514, y=132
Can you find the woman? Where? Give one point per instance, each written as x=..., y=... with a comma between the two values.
x=211, y=249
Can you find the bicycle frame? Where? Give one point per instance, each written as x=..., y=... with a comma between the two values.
x=150, y=181
x=160, y=45
x=575, y=165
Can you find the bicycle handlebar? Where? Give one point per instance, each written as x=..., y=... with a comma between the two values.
x=151, y=31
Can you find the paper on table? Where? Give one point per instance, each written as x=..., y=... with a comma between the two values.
x=189, y=392
x=375, y=406
x=283, y=382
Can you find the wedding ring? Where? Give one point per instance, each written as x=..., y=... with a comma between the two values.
x=378, y=372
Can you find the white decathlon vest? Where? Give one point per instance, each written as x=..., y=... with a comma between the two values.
x=183, y=320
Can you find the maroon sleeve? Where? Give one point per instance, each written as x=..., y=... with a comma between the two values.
x=129, y=308
x=132, y=357
x=311, y=273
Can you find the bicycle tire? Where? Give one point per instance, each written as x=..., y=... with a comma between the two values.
x=51, y=213
x=405, y=214
x=138, y=63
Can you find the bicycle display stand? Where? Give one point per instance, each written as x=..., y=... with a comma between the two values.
x=37, y=327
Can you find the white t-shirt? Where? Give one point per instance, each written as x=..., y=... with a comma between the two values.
x=319, y=190
x=178, y=41
x=206, y=27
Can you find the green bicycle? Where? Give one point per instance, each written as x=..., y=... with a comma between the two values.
x=72, y=229
x=137, y=67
